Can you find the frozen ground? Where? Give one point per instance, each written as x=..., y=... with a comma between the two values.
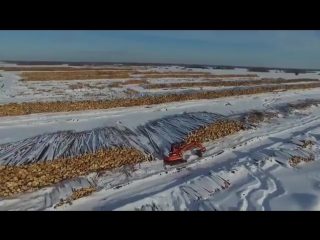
x=246, y=171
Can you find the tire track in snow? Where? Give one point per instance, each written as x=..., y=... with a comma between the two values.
x=258, y=196
x=245, y=195
x=270, y=101
x=192, y=195
x=278, y=189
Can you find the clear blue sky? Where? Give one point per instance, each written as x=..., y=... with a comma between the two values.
x=258, y=48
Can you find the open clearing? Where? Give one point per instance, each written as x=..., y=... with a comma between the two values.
x=97, y=144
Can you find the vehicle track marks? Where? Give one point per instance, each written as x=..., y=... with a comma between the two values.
x=245, y=202
x=270, y=101
x=277, y=188
x=192, y=195
x=265, y=187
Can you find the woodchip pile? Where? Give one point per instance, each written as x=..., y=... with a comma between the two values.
x=256, y=117
x=75, y=75
x=22, y=178
x=88, y=86
x=51, y=69
x=226, y=83
x=215, y=131
x=79, y=193
x=15, y=109
x=296, y=160
x=79, y=86
x=307, y=143
x=66, y=74
x=135, y=81
x=300, y=106
x=291, y=79
x=115, y=85
x=130, y=91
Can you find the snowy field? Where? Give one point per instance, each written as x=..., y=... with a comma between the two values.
x=12, y=89
x=265, y=166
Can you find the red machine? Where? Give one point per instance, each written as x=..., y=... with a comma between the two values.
x=177, y=150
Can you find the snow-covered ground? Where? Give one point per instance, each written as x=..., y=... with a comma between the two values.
x=13, y=90
x=254, y=162
x=245, y=171
x=17, y=128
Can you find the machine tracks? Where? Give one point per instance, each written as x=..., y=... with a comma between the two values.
x=260, y=190
x=194, y=194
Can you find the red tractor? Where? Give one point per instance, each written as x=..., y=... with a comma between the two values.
x=176, y=154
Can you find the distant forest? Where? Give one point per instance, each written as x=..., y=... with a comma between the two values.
x=288, y=70
x=200, y=66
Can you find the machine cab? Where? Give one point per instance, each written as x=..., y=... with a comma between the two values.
x=174, y=148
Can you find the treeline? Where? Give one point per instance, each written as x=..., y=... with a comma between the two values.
x=291, y=70
x=224, y=67
x=295, y=71
x=258, y=69
x=210, y=67
x=196, y=66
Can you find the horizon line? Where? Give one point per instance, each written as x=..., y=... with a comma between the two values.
x=154, y=63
